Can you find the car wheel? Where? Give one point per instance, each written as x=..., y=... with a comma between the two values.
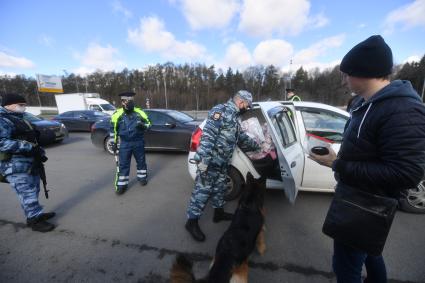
x=107, y=144
x=234, y=185
x=413, y=200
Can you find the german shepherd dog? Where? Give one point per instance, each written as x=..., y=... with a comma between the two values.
x=246, y=231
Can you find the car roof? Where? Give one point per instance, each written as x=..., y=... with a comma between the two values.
x=310, y=104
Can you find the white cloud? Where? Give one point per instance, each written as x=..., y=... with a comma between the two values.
x=273, y=52
x=209, y=13
x=10, y=61
x=117, y=6
x=411, y=59
x=282, y=17
x=310, y=66
x=237, y=56
x=46, y=40
x=318, y=21
x=97, y=57
x=408, y=16
x=152, y=36
x=307, y=55
x=7, y=74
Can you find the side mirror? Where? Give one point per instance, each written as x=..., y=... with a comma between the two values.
x=170, y=125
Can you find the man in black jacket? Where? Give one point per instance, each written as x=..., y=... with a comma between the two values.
x=383, y=150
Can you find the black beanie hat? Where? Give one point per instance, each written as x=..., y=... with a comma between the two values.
x=12, y=98
x=371, y=58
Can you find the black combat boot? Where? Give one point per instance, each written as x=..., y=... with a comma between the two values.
x=120, y=190
x=39, y=224
x=194, y=230
x=143, y=182
x=220, y=215
x=47, y=215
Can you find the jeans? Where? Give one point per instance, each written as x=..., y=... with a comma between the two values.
x=348, y=262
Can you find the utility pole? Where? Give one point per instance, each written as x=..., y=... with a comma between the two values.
x=423, y=90
x=165, y=88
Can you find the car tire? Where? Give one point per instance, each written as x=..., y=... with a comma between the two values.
x=413, y=200
x=234, y=184
x=107, y=145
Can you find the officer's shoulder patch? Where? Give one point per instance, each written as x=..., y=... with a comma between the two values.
x=216, y=116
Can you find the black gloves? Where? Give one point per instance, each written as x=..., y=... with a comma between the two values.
x=36, y=151
x=114, y=146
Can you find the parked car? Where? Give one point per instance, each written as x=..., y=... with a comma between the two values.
x=50, y=131
x=80, y=120
x=171, y=130
x=290, y=124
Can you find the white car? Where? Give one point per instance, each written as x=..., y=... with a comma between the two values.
x=290, y=124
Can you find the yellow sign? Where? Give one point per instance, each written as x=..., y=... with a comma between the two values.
x=52, y=84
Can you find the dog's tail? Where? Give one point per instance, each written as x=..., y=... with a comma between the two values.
x=182, y=272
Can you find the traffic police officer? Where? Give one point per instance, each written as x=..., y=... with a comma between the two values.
x=221, y=134
x=18, y=150
x=129, y=124
x=291, y=95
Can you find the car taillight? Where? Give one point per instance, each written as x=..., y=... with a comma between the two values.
x=196, y=139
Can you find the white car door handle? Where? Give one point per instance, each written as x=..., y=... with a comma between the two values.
x=293, y=164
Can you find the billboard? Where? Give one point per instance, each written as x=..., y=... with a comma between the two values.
x=49, y=84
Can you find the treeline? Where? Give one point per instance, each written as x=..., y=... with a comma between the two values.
x=188, y=87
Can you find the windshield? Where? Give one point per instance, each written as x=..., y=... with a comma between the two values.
x=107, y=107
x=180, y=116
x=30, y=117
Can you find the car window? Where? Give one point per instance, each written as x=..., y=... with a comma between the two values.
x=325, y=124
x=108, y=107
x=31, y=118
x=282, y=123
x=180, y=116
x=158, y=118
x=95, y=107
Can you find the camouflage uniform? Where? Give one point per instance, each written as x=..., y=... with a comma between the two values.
x=17, y=138
x=221, y=134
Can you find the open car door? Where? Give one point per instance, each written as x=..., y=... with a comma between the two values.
x=288, y=147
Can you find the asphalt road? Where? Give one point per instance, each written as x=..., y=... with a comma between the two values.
x=135, y=237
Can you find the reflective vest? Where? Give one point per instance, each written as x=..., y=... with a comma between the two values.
x=118, y=114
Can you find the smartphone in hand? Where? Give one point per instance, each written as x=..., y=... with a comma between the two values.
x=320, y=150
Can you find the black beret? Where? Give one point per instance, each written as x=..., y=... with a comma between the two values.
x=371, y=58
x=12, y=98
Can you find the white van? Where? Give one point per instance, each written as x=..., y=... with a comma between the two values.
x=83, y=101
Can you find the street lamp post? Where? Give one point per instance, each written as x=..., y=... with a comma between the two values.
x=165, y=88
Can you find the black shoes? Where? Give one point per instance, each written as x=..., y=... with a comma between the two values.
x=193, y=228
x=143, y=182
x=120, y=190
x=220, y=215
x=39, y=223
x=47, y=215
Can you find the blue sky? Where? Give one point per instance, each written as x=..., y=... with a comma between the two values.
x=48, y=37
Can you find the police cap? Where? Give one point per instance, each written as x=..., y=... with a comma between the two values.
x=127, y=95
